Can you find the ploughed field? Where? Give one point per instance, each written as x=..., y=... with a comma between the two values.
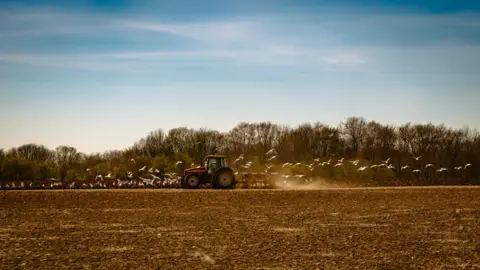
x=388, y=228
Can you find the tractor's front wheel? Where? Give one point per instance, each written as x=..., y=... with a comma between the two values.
x=191, y=182
x=224, y=179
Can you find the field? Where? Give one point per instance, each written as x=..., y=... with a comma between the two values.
x=388, y=228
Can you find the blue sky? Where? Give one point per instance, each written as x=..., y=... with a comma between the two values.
x=99, y=75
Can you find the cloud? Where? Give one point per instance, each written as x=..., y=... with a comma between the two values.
x=222, y=31
x=214, y=34
x=383, y=42
x=86, y=62
x=143, y=61
x=347, y=59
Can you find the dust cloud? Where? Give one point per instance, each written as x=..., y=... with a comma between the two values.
x=315, y=184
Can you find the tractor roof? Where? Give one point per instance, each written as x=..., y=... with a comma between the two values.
x=216, y=156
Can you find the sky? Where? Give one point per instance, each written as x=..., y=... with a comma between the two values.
x=99, y=75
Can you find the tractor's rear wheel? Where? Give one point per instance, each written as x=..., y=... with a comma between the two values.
x=191, y=182
x=224, y=179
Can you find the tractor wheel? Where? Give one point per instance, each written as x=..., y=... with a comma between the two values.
x=224, y=179
x=191, y=182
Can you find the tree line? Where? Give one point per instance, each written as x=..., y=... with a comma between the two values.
x=368, y=142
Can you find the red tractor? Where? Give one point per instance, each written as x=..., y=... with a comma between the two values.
x=215, y=171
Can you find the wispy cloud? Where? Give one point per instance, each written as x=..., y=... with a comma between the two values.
x=142, y=61
x=348, y=59
x=362, y=40
x=89, y=62
x=211, y=32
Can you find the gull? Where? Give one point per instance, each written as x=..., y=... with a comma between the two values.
x=286, y=165
x=272, y=158
x=363, y=168
x=442, y=170
x=146, y=181
x=171, y=175
x=416, y=171
x=355, y=162
x=340, y=160
x=142, y=169
x=468, y=165
x=270, y=152
x=417, y=158
x=429, y=165
x=124, y=182
x=238, y=159
x=268, y=168
x=338, y=164
x=326, y=162
x=246, y=166
x=386, y=161
x=405, y=167
x=178, y=163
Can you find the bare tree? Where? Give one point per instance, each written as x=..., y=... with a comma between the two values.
x=354, y=128
x=66, y=158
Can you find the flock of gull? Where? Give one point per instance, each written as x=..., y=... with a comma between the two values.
x=341, y=163
x=152, y=178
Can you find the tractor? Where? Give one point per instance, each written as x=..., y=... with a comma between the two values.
x=214, y=171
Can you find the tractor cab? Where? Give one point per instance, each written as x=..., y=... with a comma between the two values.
x=215, y=162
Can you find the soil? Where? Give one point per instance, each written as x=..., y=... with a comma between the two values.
x=387, y=228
